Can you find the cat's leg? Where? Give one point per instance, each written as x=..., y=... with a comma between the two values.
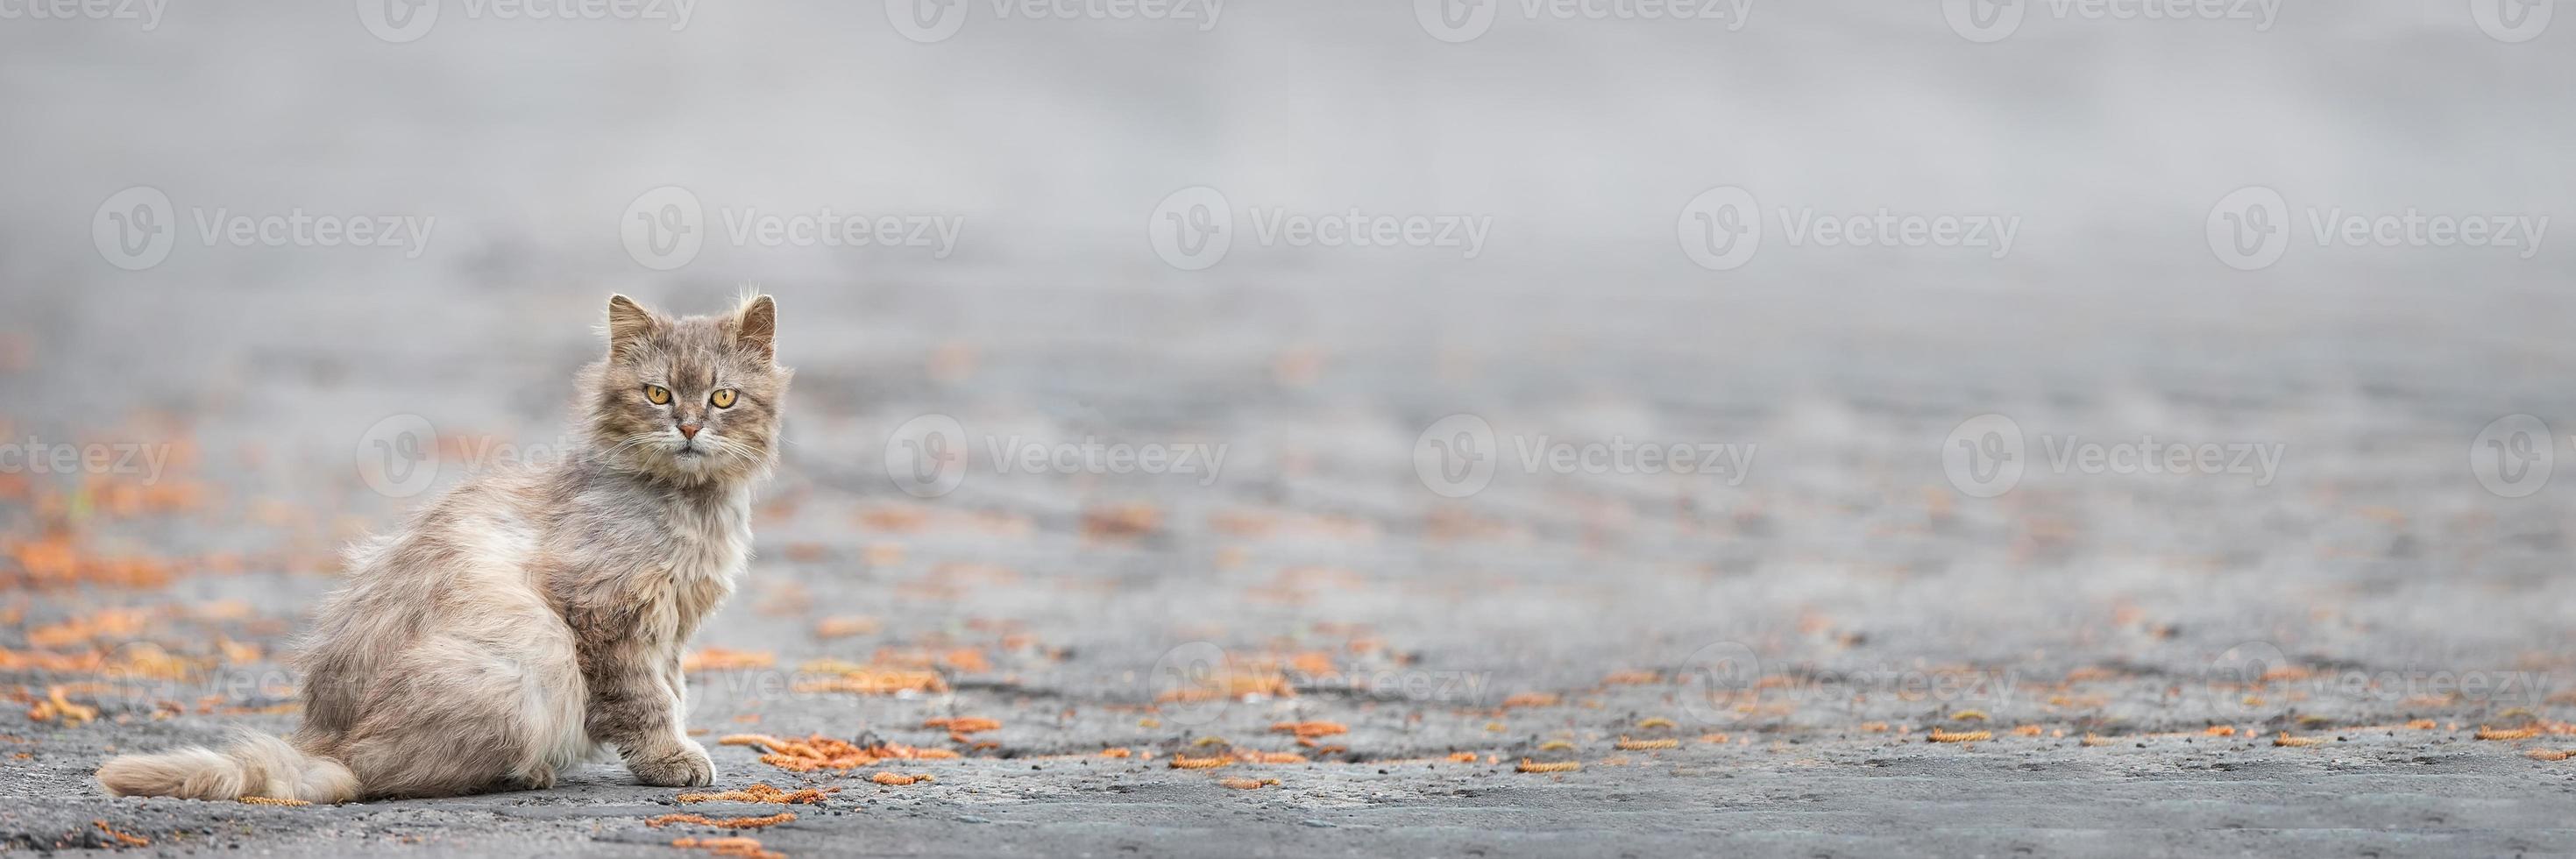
x=491, y=705
x=635, y=706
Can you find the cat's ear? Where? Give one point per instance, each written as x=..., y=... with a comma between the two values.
x=628, y=322
x=755, y=326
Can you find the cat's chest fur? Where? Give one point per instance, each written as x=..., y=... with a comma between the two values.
x=704, y=547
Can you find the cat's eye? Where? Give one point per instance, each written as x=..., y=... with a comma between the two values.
x=722, y=398
x=660, y=396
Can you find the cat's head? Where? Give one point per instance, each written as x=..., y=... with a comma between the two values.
x=691, y=399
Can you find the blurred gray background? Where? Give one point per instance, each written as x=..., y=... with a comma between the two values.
x=1054, y=146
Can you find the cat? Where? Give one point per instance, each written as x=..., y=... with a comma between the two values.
x=530, y=619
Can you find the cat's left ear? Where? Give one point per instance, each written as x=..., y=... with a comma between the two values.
x=755, y=326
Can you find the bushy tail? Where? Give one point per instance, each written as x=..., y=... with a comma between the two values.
x=252, y=765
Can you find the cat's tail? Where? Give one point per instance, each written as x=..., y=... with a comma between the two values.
x=250, y=765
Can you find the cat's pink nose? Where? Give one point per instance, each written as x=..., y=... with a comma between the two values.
x=688, y=430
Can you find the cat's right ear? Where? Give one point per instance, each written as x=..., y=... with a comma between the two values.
x=628, y=322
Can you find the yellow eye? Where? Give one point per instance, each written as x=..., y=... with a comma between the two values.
x=658, y=394
x=722, y=398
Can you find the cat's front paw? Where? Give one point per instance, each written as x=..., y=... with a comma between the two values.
x=687, y=766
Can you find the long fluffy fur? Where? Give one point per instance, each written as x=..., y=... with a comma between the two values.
x=529, y=618
x=251, y=765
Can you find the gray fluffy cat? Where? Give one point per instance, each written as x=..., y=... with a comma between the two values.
x=525, y=619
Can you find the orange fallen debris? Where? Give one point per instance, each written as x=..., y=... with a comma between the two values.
x=1940, y=736
x=1309, y=730
x=271, y=800
x=55, y=706
x=963, y=724
x=821, y=752
x=1241, y=783
x=721, y=822
x=1629, y=745
x=121, y=838
x=2295, y=742
x=2525, y=733
x=727, y=659
x=870, y=681
x=1462, y=757
x=1119, y=752
x=1532, y=699
x=2547, y=755
x=764, y=793
x=1530, y=766
x=1185, y=762
x=738, y=847
x=898, y=779
x=2221, y=731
